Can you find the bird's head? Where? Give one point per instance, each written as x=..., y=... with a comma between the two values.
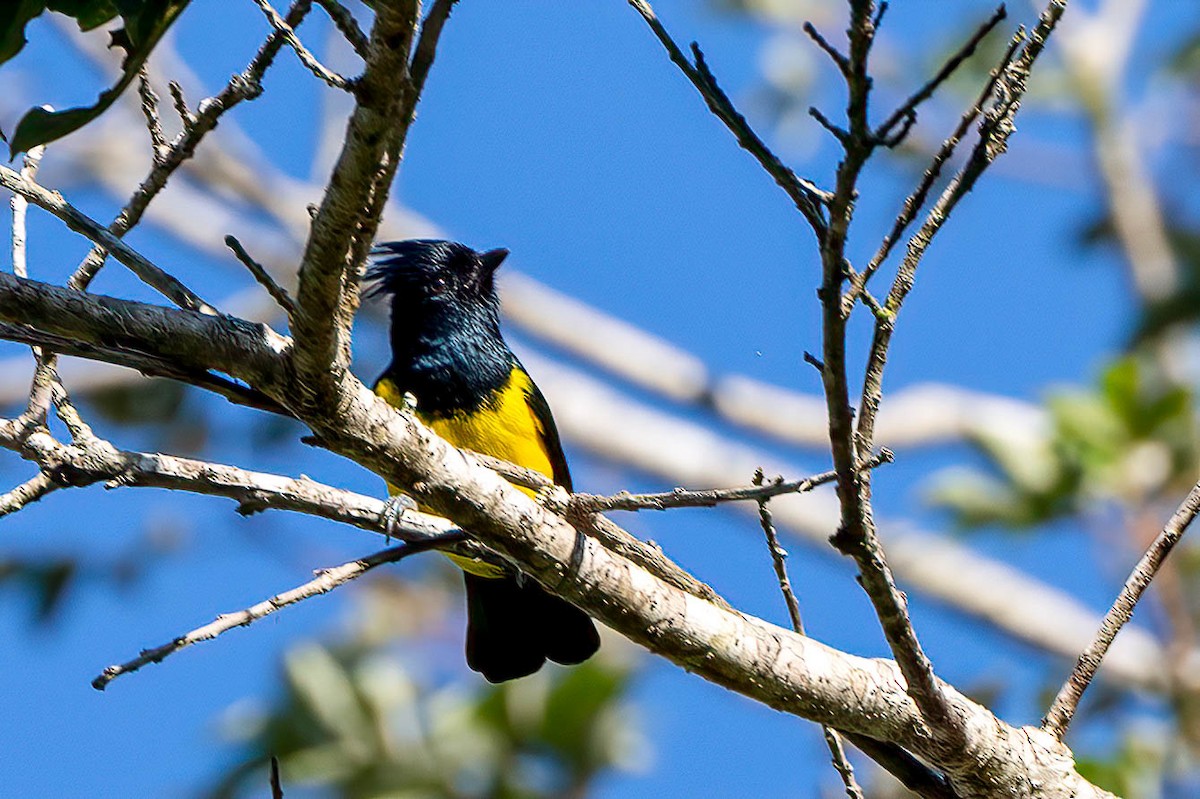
x=428, y=276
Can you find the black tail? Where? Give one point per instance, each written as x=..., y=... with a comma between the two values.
x=514, y=625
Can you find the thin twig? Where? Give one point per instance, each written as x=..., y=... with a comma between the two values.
x=347, y=25
x=277, y=292
x=908, y=110
x=306, y=57
x=325, y=581
x=31, y=490
x=916, y=201
x=186, y=118
x=245, y=86
x=158, y=141
x=1062, y=710
x=41, y=387
x=79, y=222
x=843, y=64
x=833, y=740
x=276, y=782
x=426, y=47
x=856, y=535
x=994, y=131
x=20, y=208
x=707, y=498
x=807, y=198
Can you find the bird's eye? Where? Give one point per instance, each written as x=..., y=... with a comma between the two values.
x=439, y=284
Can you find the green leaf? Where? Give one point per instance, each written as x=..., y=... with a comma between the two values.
x=87, y=13
x=13, y=19
x=145, y=23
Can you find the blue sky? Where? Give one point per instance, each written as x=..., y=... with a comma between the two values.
x=560, y=131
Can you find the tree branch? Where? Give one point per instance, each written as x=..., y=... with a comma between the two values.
x=1065, y=703
x=31, y=490
x=792, y=674
x=79, y=222
x=345, y=223
x=303, y=53
x=707, y=498
x=807, y=198
x=326, y=581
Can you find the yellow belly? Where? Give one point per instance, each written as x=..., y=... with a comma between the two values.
x=505, y=427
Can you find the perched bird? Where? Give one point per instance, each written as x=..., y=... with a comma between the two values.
x=469, y=387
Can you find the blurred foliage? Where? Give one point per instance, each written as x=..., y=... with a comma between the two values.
x=47, y=583
x=1130, y=440
x=356, y=721
x=1134, y=770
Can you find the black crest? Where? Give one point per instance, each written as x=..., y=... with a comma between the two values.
x=420, y=271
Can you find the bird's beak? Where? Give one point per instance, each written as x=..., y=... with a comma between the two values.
x=492, y=259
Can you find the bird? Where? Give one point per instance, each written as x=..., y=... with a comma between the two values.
x=450, y=359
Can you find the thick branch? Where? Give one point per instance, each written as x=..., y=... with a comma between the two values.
x=345, y=223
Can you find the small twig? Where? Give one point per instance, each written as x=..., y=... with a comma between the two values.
x=843, y=63
x=807, y=198
x=277, y=292
x=426, y=47
x=276, y=783
x=833, y=740
x=31, y=490
x=245, y=86
x=841, y=134
x=906, y=113
x=186, y=118
x=916, y=201
x=41, y=387
x=306, y=57
x=707, y=498
x=79, y=222
x=325, y=581
x=150, y=110
x=20, y=208
x=779, y=554
x=347, y=25
x=1062, y=710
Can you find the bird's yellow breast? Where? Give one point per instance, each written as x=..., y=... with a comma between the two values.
x=504, y=426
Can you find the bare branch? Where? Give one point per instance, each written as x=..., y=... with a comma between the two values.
x=31, y=490
x=245, y=86
x=707, y=498
x=276, y=784
x=326, y=581
x=277, y=292
x=426, y=47
x=833, y=740
x=79, y=222
x=186, y=118
x=347, y=25
x=306, y=57
x=994, y=130
x=158, y=141
x=344, y=226
x=807, y=198
x=843, y=63
x=916, y=201
x=906, y=113
x=20, y=207
x=1065, y=703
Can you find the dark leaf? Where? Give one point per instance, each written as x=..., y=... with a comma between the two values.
x=145, y=23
